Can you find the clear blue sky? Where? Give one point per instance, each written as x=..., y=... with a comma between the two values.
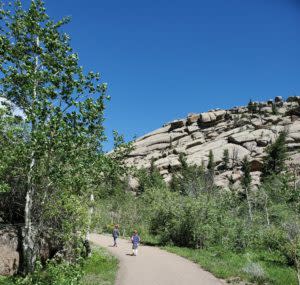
x=163, y=59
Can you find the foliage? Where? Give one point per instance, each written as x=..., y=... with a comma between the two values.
x=252, y=107
x=211, y=163
x=225, y=159
x=190, y=180
x=218, y=223
x=53, y=153
x=54, y=274
x=246, y=168
x=100, y=268
x=149, y=178
x=274, y=162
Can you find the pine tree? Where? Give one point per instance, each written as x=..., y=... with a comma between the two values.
x=252, y=107
x=225, y=159
x=274, y=109
x=246, y=181
x=211, y=162
x=246, y=168
x=274, y=163
x=189, y=180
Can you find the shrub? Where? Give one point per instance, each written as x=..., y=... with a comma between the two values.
x=54, y=274
x=256, y=272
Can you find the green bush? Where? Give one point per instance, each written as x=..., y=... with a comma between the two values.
x=54, y=274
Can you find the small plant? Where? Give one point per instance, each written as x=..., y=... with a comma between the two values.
x=256, y=273
x=274, y=109
x=252, y=107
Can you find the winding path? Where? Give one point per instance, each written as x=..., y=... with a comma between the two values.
x=153, y=266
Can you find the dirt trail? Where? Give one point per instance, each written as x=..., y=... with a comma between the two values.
x=154, y=266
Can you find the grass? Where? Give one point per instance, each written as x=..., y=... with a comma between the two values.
x=100, y=268
x=227, y=265
x=4, y=280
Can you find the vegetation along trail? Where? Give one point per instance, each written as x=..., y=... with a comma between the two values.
x=154, y=266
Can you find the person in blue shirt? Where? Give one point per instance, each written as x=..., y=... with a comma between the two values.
x=115, y=234
x=135, y=239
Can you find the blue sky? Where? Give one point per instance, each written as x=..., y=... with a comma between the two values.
x=164, y=59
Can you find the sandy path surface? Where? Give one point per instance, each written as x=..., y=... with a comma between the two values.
x=153, y=266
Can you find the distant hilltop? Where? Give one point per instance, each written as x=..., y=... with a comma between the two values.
x=243, y=131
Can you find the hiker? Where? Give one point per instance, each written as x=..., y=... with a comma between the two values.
x=115, y=234
x=135, y=239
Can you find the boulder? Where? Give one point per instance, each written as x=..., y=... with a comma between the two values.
x=162, y=130
x=177, y=124
x=294, y=136
x=207, y=117
x=256, y=165
x=176, y=136
x=155, y=139
x=144, y=150
x=236, y=153
x=206, y=147
x=184, y=141
x=192, y=118
x=266, y=109
x=294, y=159
x=133, y=183
x=272, y=119
x=294, y=128
x=197, y=135
x=212, y=135
x=251, y=146
x=242, y=137
x=171, y=161
x=195, y=142
x=293, y=146
x=211, y=117
x=193, y=128
x=9, y=255
x=293, y=99
x=261, y=136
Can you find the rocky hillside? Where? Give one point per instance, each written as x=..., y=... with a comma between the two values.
x=243, y=131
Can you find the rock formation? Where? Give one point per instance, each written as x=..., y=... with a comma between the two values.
x=9, y=254
x=243, y=131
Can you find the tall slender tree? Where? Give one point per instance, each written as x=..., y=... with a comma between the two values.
x=63, y=106
x=225, y=159
x=246, y=182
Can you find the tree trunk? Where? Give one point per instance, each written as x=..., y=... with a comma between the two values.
x=267, y=211
x=249, y=204
x=29, y=234
x=91, y=212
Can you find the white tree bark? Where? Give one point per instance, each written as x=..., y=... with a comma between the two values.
x=298, y=270
x=29, y=235
x=90, y=215
x=29, y=247
x=249, y=204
